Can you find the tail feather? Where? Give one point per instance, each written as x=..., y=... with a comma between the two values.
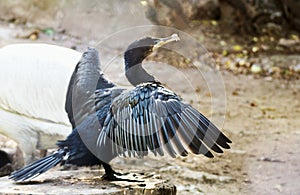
x=38, y=167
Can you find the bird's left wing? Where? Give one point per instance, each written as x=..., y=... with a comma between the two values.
x=152, y=118
x=86, y=78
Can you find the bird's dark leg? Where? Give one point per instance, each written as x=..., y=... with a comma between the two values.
x=111, y=175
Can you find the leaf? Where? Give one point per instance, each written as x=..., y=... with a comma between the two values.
x=49, y=31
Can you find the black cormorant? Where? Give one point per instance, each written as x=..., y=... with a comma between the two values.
x=111, y=121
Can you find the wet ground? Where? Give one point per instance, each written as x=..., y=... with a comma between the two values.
x=261, y=118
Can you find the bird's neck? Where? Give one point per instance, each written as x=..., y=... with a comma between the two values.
x=134, y=70
x=137, y=75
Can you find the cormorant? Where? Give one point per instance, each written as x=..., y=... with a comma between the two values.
x=115, y=121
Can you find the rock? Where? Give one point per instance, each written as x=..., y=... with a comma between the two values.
x=167, y=12
x=42, y=13
x=297, y=68
x=6, y=169
x=237, y=151
x=191, y=189
x=278, y=188
x=268, y=159
x=268, y=78
x=291, y=10
x=200, y=10
x=178, y=13
x=288, y=42
x=206, y=177
x=199, y=176
x=256, y=69
x=5, y=163
x=11, y=157
x=87, y=181
x=29, y=34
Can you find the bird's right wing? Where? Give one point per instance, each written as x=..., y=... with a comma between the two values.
x=152, y=118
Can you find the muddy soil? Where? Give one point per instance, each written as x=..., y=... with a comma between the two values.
x=261, y=118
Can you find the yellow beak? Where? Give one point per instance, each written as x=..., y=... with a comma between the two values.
x=163, y=41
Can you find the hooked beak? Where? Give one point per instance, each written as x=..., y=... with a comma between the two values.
x=162, y=41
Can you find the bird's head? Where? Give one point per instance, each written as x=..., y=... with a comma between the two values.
x=137, y=52
x=140, y=49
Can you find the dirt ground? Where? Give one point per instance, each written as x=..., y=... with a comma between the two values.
x=261, y=118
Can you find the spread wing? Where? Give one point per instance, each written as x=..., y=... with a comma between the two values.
x=152, y=118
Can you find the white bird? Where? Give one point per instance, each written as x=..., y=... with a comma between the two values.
x=34, y=81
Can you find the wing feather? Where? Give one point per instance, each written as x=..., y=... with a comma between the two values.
x=201, y=132
x=166, y=139
x=186, y=130
x=177, y=142
x=221, y=139
x=155, y=124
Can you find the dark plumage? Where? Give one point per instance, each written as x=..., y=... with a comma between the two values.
x=109, y=121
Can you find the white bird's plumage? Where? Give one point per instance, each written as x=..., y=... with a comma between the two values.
x=34, y=80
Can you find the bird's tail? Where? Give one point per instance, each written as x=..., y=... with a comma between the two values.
x=40, y=166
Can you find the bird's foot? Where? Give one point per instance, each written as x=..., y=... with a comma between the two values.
x=113, y=176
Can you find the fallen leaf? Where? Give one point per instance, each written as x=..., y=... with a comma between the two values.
x=237, y=48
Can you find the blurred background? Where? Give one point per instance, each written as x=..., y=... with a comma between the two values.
x=253, y=45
